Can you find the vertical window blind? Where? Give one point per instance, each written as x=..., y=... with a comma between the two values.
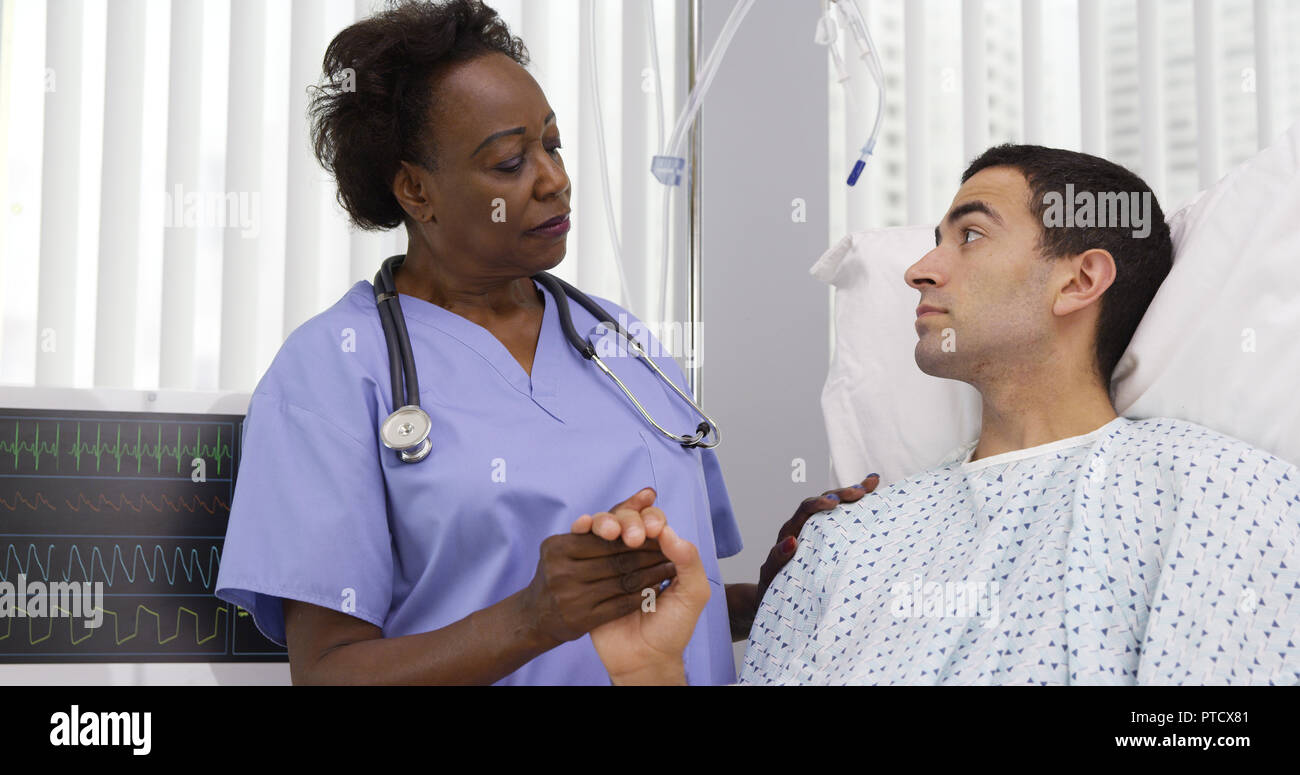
x=1179, y=91
x=165, y=224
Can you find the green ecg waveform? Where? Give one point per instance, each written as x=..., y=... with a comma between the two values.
x=117, y=450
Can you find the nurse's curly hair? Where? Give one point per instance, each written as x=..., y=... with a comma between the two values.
x=371, y=110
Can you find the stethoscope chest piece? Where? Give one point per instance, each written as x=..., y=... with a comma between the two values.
x=407, y=431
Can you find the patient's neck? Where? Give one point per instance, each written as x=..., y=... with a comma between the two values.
x=1032, y=409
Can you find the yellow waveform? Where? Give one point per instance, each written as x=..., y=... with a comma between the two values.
x=117, y=629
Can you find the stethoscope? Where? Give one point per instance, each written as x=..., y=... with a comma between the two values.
x=406, y=430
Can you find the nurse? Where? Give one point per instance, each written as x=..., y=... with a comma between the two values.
x=462, y=568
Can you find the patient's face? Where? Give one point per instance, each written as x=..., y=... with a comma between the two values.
x=987, y=277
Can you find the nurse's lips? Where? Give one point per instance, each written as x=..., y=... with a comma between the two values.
x=555, y=227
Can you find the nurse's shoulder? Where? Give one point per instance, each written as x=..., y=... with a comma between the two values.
x=330, y=365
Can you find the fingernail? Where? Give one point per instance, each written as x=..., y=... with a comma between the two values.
x=787, y=546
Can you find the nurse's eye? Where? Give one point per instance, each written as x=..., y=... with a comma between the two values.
x=966, y=234
x=517, y=163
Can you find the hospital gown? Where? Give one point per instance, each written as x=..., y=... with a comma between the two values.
x=1151, y=552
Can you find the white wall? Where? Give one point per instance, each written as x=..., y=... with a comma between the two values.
x=764, y=318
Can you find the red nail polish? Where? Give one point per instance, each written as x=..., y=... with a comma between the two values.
x=787, y=546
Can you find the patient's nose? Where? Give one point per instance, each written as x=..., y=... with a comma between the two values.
x=924, y=271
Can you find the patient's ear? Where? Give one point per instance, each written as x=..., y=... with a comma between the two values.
x=1087, y=277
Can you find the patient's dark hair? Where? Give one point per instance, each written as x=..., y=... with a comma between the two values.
x=1141, y=263
x=373, y=107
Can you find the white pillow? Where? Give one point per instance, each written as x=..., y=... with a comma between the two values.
x=883, y=414
x=1234, y=285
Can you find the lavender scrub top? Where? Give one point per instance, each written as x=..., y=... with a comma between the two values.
x=325, y=514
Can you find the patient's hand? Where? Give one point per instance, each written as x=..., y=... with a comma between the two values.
x=634, y=520
x=645, y=647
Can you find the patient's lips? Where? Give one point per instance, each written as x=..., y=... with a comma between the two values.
x=927, y=309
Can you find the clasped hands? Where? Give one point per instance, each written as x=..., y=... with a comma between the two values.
x=645, y=646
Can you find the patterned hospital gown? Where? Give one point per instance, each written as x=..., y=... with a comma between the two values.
x=1148, y=551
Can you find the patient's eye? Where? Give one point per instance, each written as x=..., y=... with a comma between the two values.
x=966, y=234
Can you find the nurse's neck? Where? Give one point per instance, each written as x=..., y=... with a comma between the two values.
x=1025, y=408
x=465, y=288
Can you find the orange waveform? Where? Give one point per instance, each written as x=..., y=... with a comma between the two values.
x=22, y=501
x=191, y=504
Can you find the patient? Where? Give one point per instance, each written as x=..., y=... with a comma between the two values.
x=1066, y=544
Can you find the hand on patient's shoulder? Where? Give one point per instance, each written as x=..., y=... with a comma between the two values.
x=787, y=538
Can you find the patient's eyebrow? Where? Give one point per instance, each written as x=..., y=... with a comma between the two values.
x=976, y=206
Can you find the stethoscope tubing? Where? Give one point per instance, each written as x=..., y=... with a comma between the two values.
x=397, y=322
x=405, y=384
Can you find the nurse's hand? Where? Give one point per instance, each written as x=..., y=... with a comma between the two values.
x=583, y=580
x=787, y=538
x=743, y=599
x=645, y=647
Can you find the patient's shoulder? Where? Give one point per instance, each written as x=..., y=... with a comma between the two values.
x=895, y=506
x=1182, y=436
x=1187, y=447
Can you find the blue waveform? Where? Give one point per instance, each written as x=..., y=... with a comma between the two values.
x=189, y=563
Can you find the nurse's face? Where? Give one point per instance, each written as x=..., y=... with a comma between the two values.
x=988, y=279
x=499, y=173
